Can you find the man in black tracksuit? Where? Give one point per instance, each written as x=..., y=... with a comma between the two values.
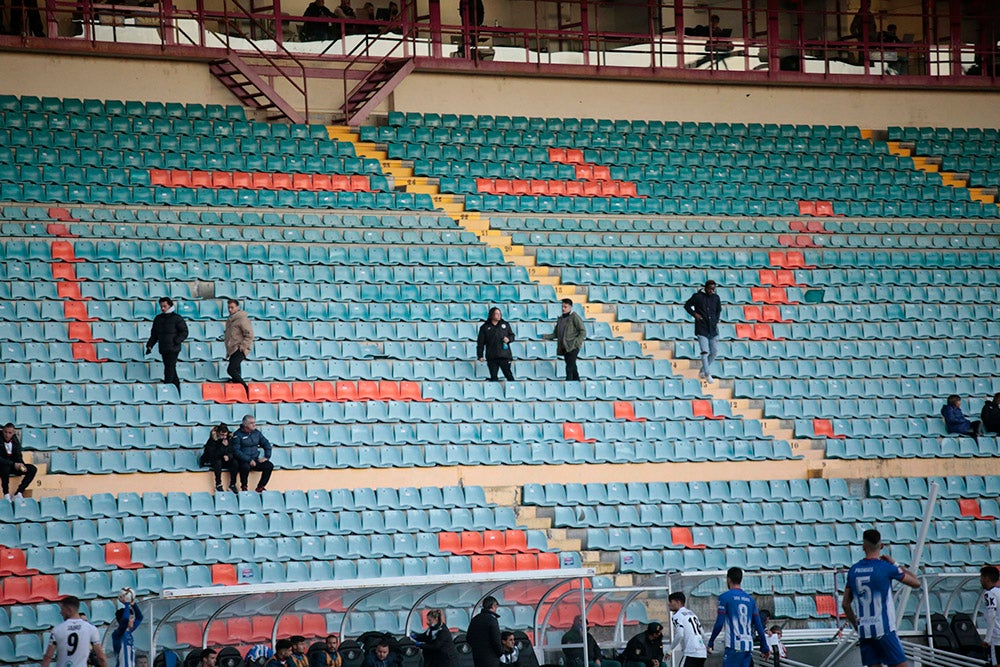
x=483, y=635
x=169, y=330
x=493, y=346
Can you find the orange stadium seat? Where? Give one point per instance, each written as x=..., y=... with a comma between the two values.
x=303, y=392
x=367, y=390
x=325, y=391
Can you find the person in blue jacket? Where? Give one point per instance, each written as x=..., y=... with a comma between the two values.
x=248, y=446
x=956, y=422
x=128, y=617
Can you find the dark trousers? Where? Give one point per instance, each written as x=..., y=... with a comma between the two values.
x=7, y=470
x=499, y=364
x=265, y=468
x=571, y=372
x=170, y=369
x=234, y=369
x=218, y=465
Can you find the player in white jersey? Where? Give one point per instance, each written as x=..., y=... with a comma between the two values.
x=73, y=639
x=688, y=634
x=989, y=577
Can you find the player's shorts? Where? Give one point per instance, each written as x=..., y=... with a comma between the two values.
x=693, y=662
x=733, y=658
x=885, y=650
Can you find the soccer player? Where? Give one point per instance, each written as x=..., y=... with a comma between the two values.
x=687, y=632
x=870, y=582
x=129, y=617
x=989, y=577
x=738, y=615
x=73, y=639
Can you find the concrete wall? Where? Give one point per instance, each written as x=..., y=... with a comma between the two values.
x=868, y=108
x=111, y=78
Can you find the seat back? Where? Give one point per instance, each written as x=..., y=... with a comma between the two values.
x=942, y=635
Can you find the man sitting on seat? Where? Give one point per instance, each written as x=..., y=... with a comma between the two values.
x=12, y=463
x=317, y=31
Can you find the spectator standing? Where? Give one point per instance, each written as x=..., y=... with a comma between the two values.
x=344, y=11
x=317, y=31
x=73, y=639
x=574, y=655
x=869, y=582
x=238, y=340
x=329, y=656
x=12, y=464
x=645, y=649
x=738, y=616
x=218, y=454
x=436, y=642
x=493, y=345
x=956, y=422
x=248, y=444
x=687, y=632
x=129, y=617
x=282, y=653
x=705, y=307
x=472, y=14
x=569, y=333
x=169, y=331
x=381, y=656
x=989, y=578
x=483, y=635
x=990, y=415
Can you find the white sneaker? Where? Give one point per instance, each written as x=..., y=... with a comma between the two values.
x=18, y=497
x=709, y=379
x=6, y=496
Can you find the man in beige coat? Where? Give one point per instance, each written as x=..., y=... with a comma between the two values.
x=239, y=341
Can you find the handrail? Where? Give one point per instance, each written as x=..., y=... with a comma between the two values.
x=405, y=33
x=249, y=15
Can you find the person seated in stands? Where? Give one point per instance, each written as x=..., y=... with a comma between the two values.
x=390, y=13
x=248, y=444
x=436, y=642
x=218, y=454
x=380, y=656
x=574, y=656
x=956, y=422
x=328, y=656
x=889, y=35
x=645, y=649
x=509, y=655
x=317, y=31
x=718, y=37
x=12, y=464
x=367, y=13
x=282, y=653
x=344, y=11
x=990, y=415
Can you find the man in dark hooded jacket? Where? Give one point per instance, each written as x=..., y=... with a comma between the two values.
x=493, y=346
x=169, y=331
x=483, y=635
x=990, y=415
x=706, y=309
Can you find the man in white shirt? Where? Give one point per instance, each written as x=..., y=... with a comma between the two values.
x=989, y=577
x=687, y=632
x=73, y=639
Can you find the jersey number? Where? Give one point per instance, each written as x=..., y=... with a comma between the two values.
x=74, y=641
x=695, y=624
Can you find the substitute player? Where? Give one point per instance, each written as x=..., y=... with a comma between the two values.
x=739, y=616
x=687, y=632
x=989, y=577
x=73, y=639
x=869, y=587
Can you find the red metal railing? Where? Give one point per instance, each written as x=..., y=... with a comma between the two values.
x=948, y=44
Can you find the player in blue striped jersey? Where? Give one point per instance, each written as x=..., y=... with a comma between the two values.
x=739, y=617
x=868, y=604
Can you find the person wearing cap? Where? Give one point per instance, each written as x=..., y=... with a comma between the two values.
x=282, y=654
x=645, y=649
x=299, y=648
x=706, y=309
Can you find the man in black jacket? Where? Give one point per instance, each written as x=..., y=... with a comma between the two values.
x=645, y=649
x=483, y=635
x=12, y=463
x=990, y=415
x=169, y=330
x=493, y=345
x=706, y=308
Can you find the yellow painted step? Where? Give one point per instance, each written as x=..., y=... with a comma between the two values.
x=896, y=149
